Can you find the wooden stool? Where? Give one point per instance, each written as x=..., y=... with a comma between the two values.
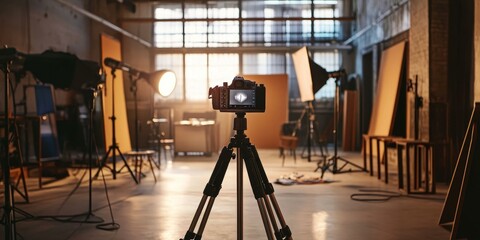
x=423, y=164
x=387, y=142
x=369, y=139
x=166, y=144
x=138, y=161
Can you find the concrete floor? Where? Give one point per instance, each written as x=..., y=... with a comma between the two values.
x=164, y=210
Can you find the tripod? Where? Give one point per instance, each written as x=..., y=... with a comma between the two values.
x=333, y=161
x=312, y=134
x=8, y=213
x=262, y=188
x=114, y=147
x=89, y=217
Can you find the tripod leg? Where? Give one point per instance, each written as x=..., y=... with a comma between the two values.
x=126, y=164
x=103, y=163
x=285, y=232
x=209, y=193
x=22, y=173
x=258, y=187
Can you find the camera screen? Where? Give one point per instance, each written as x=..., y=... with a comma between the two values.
x=242, y=97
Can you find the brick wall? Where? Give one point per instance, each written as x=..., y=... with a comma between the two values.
x=419, y=63
x=394, y=23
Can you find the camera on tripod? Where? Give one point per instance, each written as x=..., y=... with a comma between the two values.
x=241, y=96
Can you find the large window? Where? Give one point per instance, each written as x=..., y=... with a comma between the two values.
x=331, y=62
x=238, y=25
x=259, y=23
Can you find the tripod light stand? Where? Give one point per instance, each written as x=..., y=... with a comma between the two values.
x=64, y=70
x=114, y=148
x=333, y=161
x=7, y=56
x=312, y=131
x=89, y=95
x=162, y=81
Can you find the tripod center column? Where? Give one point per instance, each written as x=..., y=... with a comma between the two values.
x=239, y=125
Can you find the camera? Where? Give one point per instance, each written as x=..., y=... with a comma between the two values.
x=241, y=96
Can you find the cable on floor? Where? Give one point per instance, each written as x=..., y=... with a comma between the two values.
x=374, y=195
x=377, y=195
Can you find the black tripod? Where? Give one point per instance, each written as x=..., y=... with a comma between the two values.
x=114, y=147
x=8, y=213
x=262, y=188
x=333, y=161
x=88, y=217
x=312, y=132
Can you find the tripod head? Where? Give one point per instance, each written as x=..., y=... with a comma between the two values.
x=240, y=122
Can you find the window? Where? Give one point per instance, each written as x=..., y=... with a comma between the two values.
x=222, y=68
x=196, y=77
x=228, y=24
x=263, y=63
x=168, y=34
x=330, y=61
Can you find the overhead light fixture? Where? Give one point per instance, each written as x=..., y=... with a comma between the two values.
x=163, y=81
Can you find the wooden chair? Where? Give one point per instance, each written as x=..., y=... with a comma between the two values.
x=288, y=141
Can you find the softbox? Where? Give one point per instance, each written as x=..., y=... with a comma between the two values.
x=64, y=70
x=310, y=76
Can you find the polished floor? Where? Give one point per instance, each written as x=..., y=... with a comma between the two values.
x=164, y=210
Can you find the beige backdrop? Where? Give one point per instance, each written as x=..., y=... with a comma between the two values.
x=263, y=129
x=111, y=48
x=384, y=105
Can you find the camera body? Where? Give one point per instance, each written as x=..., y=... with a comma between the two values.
x=241, y=96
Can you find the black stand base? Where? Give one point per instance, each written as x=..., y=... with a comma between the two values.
x=111, y=226
x=114, y=148
x=85, y=218
x=332, y=165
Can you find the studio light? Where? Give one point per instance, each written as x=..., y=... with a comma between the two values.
x=64, y=70
x=163, y=81
x=310, y=76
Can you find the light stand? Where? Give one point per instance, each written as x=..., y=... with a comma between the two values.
x=312, y=133
x=88, y=217
x=133, y=89
x=333, y=161
x=412, y=86
x=162, y=81
x=8, y=213
x=262, y=188
x=114, y=147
